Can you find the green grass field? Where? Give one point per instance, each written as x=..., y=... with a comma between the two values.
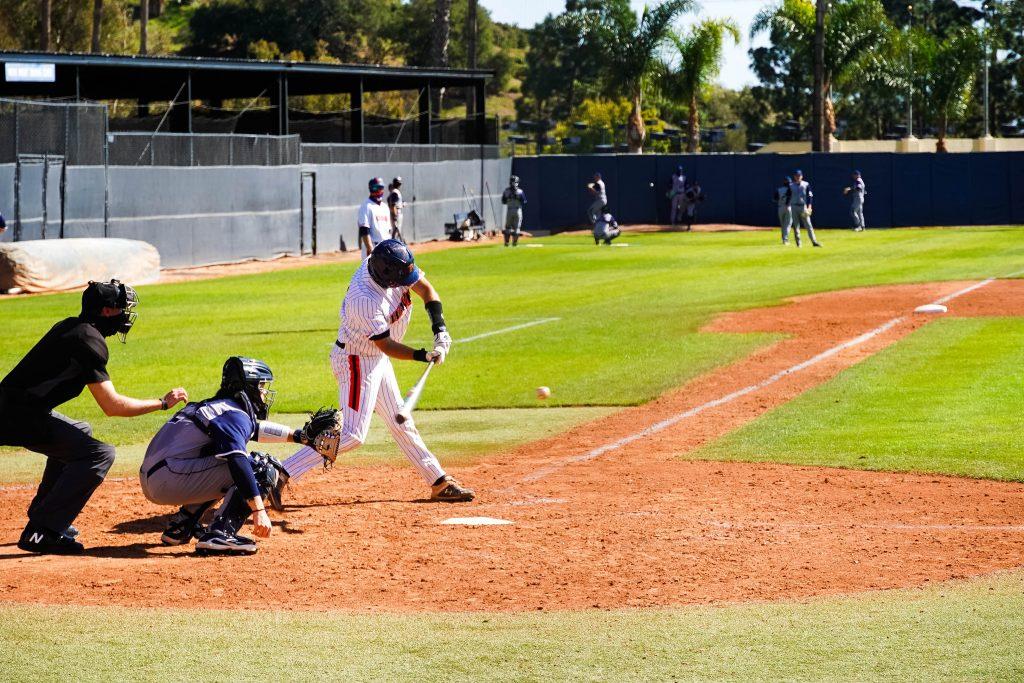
x=946, y=399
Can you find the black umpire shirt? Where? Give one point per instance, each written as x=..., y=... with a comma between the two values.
x=72, y=354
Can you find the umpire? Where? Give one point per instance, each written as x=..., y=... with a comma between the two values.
x=71, y=356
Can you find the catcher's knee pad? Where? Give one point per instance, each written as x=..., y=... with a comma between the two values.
x=271, y=477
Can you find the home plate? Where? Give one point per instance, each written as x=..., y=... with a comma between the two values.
x=476, y=521
x=931, y=308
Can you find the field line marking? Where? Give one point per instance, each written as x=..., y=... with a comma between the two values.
x=503, y=330
x=728, y=398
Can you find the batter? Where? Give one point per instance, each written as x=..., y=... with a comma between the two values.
x=374, y=318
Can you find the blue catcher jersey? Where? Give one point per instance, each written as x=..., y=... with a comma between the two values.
x=215, y=427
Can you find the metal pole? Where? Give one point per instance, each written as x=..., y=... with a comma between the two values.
x=984, y=14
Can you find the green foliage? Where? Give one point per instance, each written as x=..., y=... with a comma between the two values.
x=70, y=25
x=945, y=72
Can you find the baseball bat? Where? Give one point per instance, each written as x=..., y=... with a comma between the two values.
x=413, y=397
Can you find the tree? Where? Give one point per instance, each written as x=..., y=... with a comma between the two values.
x=856, y=32
x=948, y=68
x=630, y=47
x=441, y=30
x=700, y=57
x=45, y=11
x=143, y=26
x=97, y=24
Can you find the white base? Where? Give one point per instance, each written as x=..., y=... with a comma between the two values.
x=931, y=308
x=476, y=521
x=533, y=246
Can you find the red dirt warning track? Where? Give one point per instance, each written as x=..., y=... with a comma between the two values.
x=634, y=526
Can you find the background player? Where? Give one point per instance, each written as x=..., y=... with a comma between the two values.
x=856, y=193
x=799, y=197
x=71, y=356
x=3, y=224
x=396, y=205
x=694, y=195
x=785, y=213
x=600, y=194
x=374, y=318
x=374, y=218
x=677, y=195
x=201, y=453
x=514, y=200
x=606, y=228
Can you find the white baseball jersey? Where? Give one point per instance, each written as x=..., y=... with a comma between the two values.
x=600, y=191
x=366, y=378
x=780, y=196
x=678, y=184
x=799, y=193
x=859, y=189
x=377, y=217
x=371, y=312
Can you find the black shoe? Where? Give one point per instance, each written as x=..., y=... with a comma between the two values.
x=183, y=526
x=220, y=543
x=71, y=531
x=817, y=244
x=35, y=539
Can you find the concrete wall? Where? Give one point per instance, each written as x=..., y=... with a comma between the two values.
x=7, y=200
x=981, y=188
x=960, y=145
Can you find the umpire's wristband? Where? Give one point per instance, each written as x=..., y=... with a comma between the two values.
x=420, y=355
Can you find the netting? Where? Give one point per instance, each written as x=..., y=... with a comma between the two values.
x=202, y=149
x=73, y=130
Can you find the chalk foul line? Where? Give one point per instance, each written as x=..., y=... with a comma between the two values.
x=728, y=398
x=503, y=330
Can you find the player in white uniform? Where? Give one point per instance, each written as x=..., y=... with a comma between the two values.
x=374, y=218
x=397, y=207
x=374, y=318
x=785, y=213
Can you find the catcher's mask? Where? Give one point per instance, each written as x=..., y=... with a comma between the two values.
x=113, y=294
x=253, y=378
x=391, y=264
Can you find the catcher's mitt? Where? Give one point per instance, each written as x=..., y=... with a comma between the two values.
x=322, y=432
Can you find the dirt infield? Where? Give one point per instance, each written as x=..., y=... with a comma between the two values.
x=592, y=526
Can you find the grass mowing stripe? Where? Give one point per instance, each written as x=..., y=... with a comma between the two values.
x=955, y=631
x=946, y=400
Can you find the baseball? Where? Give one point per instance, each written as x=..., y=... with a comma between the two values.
x=543, y=393
x=651, y=185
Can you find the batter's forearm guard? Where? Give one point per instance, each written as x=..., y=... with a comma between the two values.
x=436, y=317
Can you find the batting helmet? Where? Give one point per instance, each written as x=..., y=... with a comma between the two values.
x=391, y=264
x=376, y=184
x=251, y=377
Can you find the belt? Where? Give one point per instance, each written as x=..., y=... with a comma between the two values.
x=339, y=344
x=156, y=468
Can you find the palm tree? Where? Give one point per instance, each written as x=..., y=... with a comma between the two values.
x=948, y=69
x=440, y=35
x=97, y=20
x=632, y=48
x=700, y=54
x=143, y=26
x=45, y=11
x=856, y=33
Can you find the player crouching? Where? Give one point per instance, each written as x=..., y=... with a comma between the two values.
x=201, y=453
x=374, y=318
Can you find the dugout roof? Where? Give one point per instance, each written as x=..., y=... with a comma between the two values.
x=183, y=79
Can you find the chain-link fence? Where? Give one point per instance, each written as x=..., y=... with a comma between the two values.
x=202, y=149
x=341, y=153
x=72, y=130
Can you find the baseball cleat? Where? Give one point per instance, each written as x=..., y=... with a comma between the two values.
x=183, y=526
x=220, y=543
x=71, y=531
x=35, y=539
x=448, y=490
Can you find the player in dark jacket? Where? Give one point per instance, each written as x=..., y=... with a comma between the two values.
x=71, y=356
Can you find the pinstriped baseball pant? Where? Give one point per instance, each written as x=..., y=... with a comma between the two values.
x=367, y=384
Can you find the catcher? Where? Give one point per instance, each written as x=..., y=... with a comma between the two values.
x=200, y=456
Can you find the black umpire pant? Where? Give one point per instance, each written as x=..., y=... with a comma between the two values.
x=76, y=463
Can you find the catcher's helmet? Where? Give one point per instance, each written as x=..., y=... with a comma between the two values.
x=113, y=294
x=391, y=264
x=251, y=377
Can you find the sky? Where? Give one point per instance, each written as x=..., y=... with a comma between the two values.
x=735, y=67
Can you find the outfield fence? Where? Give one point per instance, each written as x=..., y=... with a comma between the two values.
x=980, y=188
